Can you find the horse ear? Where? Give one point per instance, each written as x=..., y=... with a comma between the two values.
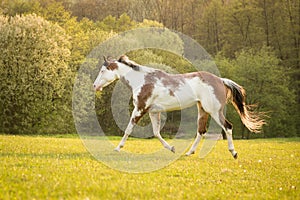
x=105, y=59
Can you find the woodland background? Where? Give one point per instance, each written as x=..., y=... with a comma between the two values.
x=44, y=42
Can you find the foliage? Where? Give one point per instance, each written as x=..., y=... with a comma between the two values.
x=230, y=27
x=16, y=7
x=61, y=168
x=34, y=75
x=266, y=83
x=229, y=30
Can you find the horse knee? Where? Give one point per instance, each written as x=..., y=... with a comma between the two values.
x=157, y=134
x=202, y=131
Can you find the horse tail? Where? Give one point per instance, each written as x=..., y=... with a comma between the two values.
x=237, y=94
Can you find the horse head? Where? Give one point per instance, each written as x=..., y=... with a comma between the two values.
x=108, y=73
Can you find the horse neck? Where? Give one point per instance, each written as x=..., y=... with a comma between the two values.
x=131, y=77
x=123, y=70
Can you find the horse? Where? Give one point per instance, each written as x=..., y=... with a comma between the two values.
x=155, y=91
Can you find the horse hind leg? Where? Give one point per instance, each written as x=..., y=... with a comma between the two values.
x=228, y=131
x=227, y=127
x=202, y=121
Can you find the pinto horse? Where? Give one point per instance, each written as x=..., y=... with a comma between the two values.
x=155, y=91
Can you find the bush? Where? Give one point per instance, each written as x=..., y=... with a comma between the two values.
x=35, y=80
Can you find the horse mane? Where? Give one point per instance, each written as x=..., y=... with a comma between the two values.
x=125, y=60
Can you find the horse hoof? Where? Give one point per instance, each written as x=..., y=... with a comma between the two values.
x=235, y=156
x=190, y=153
x=173, y=149
x=117, y=149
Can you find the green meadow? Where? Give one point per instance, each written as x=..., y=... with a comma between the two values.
x=61, y=168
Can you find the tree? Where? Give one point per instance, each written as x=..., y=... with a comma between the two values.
x=98, y=9
x=55, y=12
x=267, y=85
x=14, y=7
x=211, y=26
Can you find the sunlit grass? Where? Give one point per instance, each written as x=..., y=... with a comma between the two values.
x=61, y=168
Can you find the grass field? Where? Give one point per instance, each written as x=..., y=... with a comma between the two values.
x=61, y=168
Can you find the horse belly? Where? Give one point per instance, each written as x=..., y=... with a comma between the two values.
x=168, y=100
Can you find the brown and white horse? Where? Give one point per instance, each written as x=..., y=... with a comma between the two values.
x=155, y=91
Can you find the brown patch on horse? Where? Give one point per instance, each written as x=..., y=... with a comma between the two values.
x=122, y=58
x=112, y=66
x=144, y=95
x=146, y=92
x=219, y=89
x=202, y=119
x=217, y=84
x=172, y=82
x=171, y=93
x=137, y=118
x=125, y=60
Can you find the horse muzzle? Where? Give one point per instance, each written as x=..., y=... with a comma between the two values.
x=98, y=88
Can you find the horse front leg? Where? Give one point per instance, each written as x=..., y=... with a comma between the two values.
x=128, y=131
x=155, y=120
x=135, y=116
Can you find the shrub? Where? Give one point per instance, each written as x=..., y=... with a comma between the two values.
x=34, y=76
